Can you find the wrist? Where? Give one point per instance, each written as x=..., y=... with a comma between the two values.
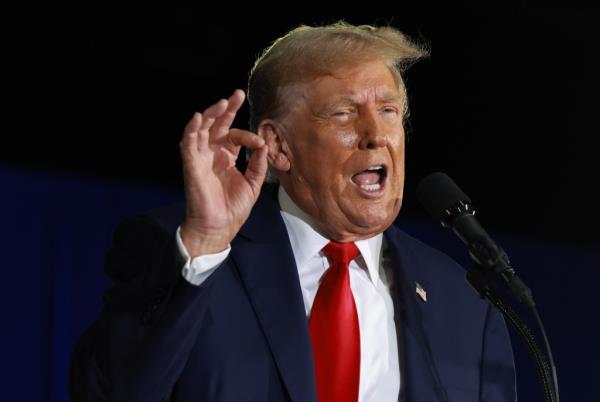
x=203, y=241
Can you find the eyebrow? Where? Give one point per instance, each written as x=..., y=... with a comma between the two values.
x=352, y=100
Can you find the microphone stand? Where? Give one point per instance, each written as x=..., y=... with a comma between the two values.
x=446, y=202
x=478, y=278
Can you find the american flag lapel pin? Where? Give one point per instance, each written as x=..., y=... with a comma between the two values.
x=420, y=291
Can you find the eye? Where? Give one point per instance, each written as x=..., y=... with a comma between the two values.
x=390, y=112
x=341, y=112
x=389, y=109
x=342, y=115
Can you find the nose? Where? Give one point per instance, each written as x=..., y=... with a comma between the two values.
x=371, y=132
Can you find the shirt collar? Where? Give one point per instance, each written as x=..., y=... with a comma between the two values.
x=307, y=241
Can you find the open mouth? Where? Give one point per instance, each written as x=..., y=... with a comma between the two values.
x=372, y=179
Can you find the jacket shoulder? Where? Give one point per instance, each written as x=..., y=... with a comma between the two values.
x=433, y=259
x=433, y=269
x=141, y=241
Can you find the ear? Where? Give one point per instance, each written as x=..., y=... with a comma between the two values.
x=272, y=132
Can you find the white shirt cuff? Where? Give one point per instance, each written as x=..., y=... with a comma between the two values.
x=197, y=270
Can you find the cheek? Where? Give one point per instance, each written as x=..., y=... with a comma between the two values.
x=397, y=147
x=347, y=139
x=322, y=157
x=397, y=142
x=397, y=138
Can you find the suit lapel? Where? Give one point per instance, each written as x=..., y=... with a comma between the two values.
x=265, y=261
x=420, y=377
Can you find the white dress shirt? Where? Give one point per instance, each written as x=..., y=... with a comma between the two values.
x=379, y=368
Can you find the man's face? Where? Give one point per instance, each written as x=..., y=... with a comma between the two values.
x=344, y=139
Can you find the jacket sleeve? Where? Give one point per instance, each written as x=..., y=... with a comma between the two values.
x=139, y=345
x=498, y=380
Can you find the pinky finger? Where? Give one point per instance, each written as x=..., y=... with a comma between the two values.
x=194, y=124
x=190, y=133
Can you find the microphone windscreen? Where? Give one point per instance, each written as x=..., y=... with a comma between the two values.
x=438, y=193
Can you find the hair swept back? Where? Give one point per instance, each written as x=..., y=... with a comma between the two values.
x=307, y=52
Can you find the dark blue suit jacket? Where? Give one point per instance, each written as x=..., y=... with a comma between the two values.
x=243, y=336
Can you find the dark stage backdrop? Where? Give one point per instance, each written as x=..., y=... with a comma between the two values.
x=97, y=98
x=56, y=230
x=506, y=103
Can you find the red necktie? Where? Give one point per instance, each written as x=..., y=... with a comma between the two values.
x=334, y=329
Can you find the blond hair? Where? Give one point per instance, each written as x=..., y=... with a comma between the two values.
x=308, y=52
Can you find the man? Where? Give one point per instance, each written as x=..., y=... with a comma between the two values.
x=303, y=290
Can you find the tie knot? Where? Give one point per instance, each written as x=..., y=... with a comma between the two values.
x=341, y=253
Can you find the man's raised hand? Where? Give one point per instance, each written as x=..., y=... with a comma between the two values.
x=219, y=197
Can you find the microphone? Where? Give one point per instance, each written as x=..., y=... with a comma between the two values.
x=448, y=204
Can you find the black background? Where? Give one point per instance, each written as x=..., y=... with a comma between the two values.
x=506, y=104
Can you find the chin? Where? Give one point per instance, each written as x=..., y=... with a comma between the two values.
x=373, y=223
x=360, y=226
x=374, y=227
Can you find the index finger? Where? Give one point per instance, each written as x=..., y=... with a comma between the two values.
x=223, y=123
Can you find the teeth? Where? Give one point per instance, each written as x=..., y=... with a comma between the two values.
x=375, y=167
x=370, y=187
